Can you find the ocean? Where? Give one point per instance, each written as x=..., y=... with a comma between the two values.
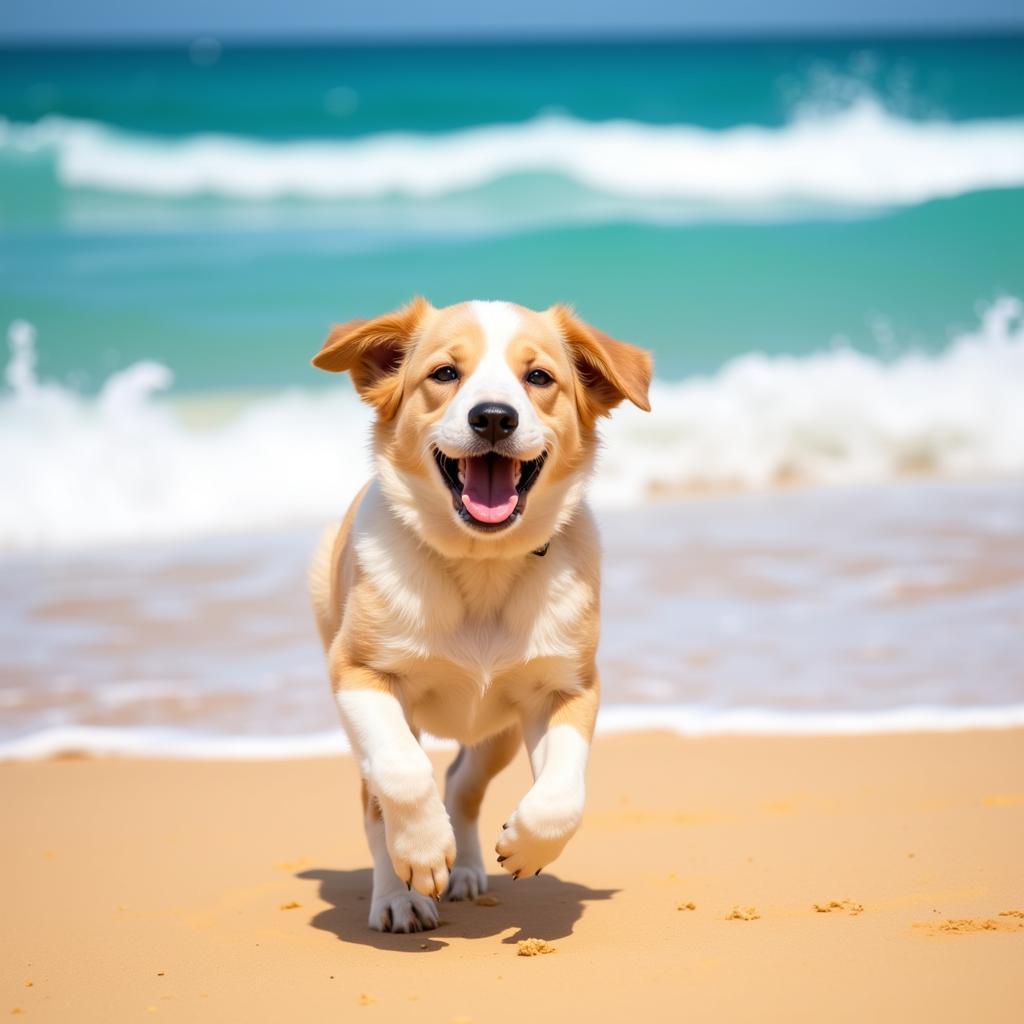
x=820, y=240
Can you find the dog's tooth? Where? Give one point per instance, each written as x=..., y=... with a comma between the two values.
x=462, y=471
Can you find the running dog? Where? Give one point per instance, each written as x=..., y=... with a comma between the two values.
x=459, y=596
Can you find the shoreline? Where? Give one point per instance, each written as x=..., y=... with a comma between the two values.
x=223, y=889
x=87, y=742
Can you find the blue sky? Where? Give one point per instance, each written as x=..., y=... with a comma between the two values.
x=98, y=19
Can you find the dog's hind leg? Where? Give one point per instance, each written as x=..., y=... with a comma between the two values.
x=465, y=784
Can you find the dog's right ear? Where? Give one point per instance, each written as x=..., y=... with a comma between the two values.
x=372, y=351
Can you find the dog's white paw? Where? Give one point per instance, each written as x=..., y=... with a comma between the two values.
x=403, y=912
x=467, y=881
x=538, y=831
x=421, y=844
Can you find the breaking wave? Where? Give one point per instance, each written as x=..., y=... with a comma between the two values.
x=861, y=157
x=131, y=464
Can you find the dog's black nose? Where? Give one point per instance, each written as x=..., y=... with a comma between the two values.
x=493, y=420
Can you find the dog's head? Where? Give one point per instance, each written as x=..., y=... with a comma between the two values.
x=486, y=415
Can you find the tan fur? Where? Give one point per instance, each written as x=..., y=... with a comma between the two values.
x=430, y=624
x=326, y=588
x=608, y=370
x=371, y=350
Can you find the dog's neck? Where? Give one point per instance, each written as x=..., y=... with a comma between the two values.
x=485, y=584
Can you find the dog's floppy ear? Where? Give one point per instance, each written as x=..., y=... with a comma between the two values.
x=372, y=352
x=608, y=370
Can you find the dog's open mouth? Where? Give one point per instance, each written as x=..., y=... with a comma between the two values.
x=489, y=491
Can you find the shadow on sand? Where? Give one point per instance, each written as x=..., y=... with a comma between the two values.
x=542, y=908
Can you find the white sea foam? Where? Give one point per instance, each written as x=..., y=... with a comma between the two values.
x=129, y=465
x=126, y=466
x=838, y=416
x=682, y=720
x=863, y=156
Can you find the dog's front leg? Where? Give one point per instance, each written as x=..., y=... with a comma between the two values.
x=557, y=739
x=417, y=834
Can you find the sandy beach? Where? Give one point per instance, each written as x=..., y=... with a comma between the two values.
x=720, y=878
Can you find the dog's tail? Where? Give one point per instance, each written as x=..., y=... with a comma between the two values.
x=322, y=591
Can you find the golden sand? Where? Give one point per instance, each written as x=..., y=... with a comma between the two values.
x=135, y=884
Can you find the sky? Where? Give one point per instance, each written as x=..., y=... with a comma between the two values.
x=391, y=19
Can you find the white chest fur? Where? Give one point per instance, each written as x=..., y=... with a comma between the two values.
x=469, y=641
x=485, y=617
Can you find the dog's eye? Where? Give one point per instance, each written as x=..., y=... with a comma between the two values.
x=445, y=374
x=539, y=378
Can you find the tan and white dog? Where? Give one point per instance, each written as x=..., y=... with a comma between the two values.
x=459, y=596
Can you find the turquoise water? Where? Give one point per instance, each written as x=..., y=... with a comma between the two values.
x=821, y=241
x=290, y=93
x=120, y=243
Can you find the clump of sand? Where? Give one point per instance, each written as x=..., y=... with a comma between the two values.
x=969, y=924
x=1011, y=913
x=535, y=947
x=291, y=906
x=487, y=900
x=686, y=906
x=743, y=914
x=852, y=908
x=965, y=925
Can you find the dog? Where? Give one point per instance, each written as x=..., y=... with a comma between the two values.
x=459, y=595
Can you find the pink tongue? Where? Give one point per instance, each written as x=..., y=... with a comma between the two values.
x=489, y=492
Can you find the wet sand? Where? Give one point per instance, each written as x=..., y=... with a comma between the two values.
x=838, y=879
x=830, y=604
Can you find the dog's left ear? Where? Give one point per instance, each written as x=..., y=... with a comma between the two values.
x=609, y=370
x=372, y=351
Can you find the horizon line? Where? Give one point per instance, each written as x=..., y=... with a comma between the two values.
x=1009, y=32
